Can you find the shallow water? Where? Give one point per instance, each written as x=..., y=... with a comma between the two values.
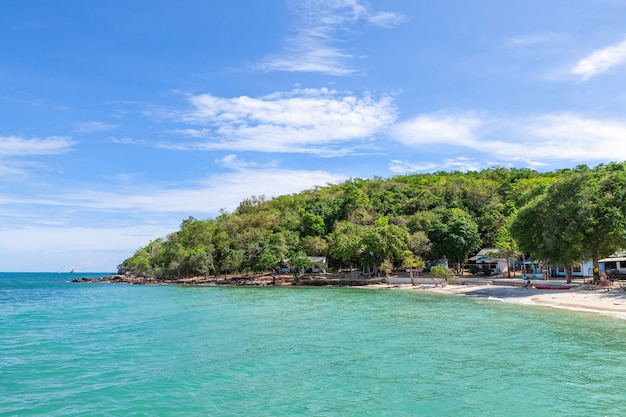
x=69, y=349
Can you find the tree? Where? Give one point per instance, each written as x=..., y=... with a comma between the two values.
x=385, y=241
x=455, y=237
x=140, y=263
x=410, y=261
x=386, y=267
x=506, y=245
x=581, y=216
x=540, y=229
x=299, y=262
x=268, y=261
x=603, y=213
x=314, y=245
x=345, y=243
x=312, y=225
x=354, y=198
x=201, y=261
x=230, y=261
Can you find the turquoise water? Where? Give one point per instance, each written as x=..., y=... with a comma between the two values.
x=69, y=349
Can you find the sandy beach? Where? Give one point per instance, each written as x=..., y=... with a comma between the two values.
x=583, y=297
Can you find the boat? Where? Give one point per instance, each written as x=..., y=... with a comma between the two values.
x=73, y=271
x=552, y=287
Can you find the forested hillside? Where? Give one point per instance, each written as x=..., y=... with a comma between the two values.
x=562, y=217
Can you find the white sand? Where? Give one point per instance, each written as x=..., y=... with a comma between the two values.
x=582, y=298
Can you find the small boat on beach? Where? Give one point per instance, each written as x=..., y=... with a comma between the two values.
x=552, y=287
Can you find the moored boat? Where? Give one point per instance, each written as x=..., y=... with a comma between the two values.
x=552, y=287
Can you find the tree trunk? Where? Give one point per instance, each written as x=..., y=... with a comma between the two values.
x=568, y=273
x=508, y=267
x=596, y=269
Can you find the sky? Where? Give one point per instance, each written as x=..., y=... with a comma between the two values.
x=121, y=118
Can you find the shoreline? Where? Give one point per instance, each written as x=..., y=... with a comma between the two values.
x=583, y=298
x=580, y=297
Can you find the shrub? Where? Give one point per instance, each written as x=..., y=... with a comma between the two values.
x=440, y=271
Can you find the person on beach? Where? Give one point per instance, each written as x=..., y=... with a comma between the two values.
x=605, y=281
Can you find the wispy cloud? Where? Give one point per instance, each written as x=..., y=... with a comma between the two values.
x=79, y=249
x=533, y=39
x=536, y=140
x=318, y=30
x=600, y=61
x=93, y=126
x=314, y=121
x=233, y=162
x=573, y=137
x=456, y=164
x=405, y=167
x=18, y=146
x=139, y=213
x=206, y=196
x=17, y=154
x=386, y=19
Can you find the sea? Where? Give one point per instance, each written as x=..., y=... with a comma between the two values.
x=94, y=349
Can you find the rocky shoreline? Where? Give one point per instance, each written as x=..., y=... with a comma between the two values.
x=241, y=280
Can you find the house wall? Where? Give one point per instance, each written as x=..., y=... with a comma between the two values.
x=620, y=266
x=585, y=270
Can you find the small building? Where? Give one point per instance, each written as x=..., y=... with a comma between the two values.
x=488, y=258
x=318, y=264
x=584, y=269
x=614, y=264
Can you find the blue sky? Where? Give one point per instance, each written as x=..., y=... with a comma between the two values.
x=119, y=119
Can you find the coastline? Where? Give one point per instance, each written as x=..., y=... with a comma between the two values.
x=580, y=297
x=584, y=298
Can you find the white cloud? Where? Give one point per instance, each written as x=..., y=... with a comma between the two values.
x=537, y=141
x=93, y=126
x=573, y=137
x=455, y=164
x=600, y=61
x=13, y=149
x=17, y=146
x=233, y=162
x=63, y=248
x=386, y=19
x=311, y=55
x=314, y=121
x=61, y=244
x=533, y=39
x=405, y=167
x=319, y=24
x=206, y=197
x=47, y=239
x=438, y=129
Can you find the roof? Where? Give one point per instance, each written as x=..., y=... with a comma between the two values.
x=619, y=256
x=482, y=255
x=613, y=259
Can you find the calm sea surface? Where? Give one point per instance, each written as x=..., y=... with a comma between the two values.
x=69, y=349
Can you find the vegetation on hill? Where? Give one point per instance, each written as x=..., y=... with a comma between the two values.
x=562, y=217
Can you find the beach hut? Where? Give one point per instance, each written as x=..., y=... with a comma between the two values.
x=318, y=264
x=488, y=258
x=614, y=265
